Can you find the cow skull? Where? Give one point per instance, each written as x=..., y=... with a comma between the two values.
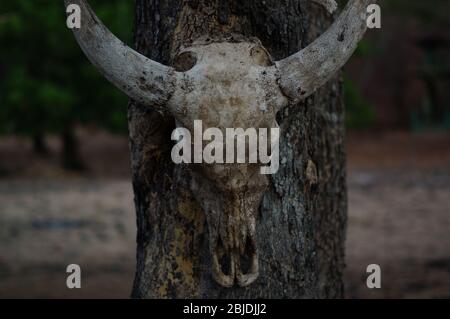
x=227, y=83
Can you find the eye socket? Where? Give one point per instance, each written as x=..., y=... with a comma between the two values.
x=260, y=56
x=185, y=61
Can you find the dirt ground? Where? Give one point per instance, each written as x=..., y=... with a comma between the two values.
x=399, y=218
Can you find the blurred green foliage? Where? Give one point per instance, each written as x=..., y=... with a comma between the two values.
x=360, y=113
x=48, y=86
x=46, y=83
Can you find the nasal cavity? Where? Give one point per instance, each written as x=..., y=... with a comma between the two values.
x=185, y=61
x=246, y=256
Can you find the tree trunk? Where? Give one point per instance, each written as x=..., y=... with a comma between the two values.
x=70, y=153
x=302, y=218
x=39, y=145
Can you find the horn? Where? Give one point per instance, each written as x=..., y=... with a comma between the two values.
x=145, y=81
x=303, y=73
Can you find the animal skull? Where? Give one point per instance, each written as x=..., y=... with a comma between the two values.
x=228, y=85
x=225, y=84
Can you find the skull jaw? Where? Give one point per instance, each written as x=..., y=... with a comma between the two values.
x=217, y=273
x=231, y=218
x=245, y=280
x=235, y=275
x=235, y=240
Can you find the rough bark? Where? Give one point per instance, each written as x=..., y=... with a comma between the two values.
x=302, y=218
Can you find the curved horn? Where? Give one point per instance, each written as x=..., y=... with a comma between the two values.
x=142, y=79
x=304, y=72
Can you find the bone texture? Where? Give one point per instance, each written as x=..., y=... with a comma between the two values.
x=226, y=83
x=142, y=79
x=306, y=71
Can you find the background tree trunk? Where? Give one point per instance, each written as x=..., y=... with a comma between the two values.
x=71, y=159
x=301, y=225
x=40, y=147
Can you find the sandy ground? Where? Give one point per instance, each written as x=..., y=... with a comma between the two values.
x=399, y=218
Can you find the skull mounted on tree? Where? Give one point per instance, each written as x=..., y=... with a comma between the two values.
x=225, y=82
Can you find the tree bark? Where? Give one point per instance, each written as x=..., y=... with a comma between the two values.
x=302, y=219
